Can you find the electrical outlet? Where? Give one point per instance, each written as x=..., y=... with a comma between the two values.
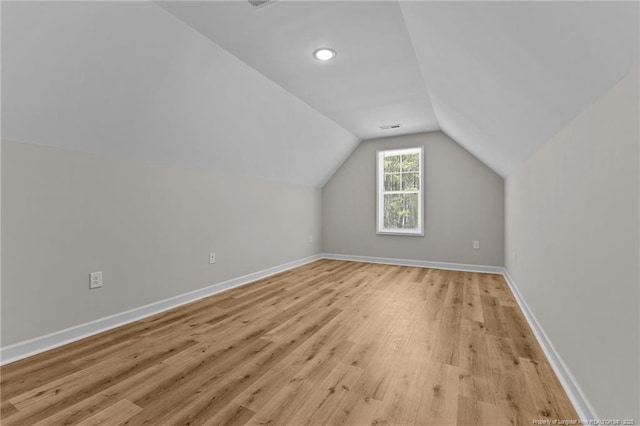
x=212, y=257
x=476, y=244
x=95, y=280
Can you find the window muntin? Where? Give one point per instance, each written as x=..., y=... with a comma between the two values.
x=399, y=187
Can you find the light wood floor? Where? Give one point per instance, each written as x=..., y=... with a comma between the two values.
x=329, y=343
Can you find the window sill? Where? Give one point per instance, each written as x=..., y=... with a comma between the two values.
x=402, y=234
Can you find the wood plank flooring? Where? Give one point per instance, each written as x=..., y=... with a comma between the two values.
x=329, y=343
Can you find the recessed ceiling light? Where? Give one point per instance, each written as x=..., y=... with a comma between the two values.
x=324, y=54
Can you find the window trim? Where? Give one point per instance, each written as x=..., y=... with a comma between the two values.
x=380, y=230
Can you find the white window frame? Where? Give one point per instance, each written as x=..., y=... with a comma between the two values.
x=380, y=229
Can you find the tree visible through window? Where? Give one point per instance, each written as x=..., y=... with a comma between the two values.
x=400, y=192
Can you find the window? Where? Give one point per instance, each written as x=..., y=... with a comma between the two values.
x=400, y=205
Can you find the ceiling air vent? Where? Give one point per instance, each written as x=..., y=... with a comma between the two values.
x=389, y=126
x=260, y=3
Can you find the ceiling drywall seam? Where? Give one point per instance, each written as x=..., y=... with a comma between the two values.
x=438, y=116
x=413, y=48
x=155, y=2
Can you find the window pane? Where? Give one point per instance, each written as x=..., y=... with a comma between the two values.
x=392, y=181
x=411, y=162
x=411, y=181
x=399, y=189
x=392, y=163
x=400, y=211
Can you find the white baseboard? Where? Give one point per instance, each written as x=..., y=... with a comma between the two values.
x=40, y=344
x=44, y=343
x=575, y=393
x=418, y=263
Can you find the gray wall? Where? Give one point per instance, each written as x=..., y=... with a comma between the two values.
x=572, y=219
x=149, y=227
x=183, y=142
x=464, y=202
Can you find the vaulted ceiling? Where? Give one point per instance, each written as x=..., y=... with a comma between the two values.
x=506, y=76
x=374, y=80
x=231, y=87
x=499, y=77
x=126, y=79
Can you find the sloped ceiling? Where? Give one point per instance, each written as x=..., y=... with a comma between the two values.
x=129, y=80
x=206, y=82
x=506, y=76
x=499, y=77
x=374, y=80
